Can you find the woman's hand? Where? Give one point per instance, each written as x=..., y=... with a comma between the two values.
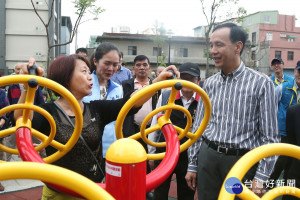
x=162, y=76
x=165, y=74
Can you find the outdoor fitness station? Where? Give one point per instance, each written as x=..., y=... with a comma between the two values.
x=126, y=158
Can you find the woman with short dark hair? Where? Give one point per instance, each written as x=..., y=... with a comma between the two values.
x=73, y=73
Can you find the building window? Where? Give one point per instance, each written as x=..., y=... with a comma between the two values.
x=277, y=54
x=183, y=52
x=253, y=55
x=156, y=51
x=267, y=19
x=254, y=38
x=131, y=50
x=249, y=21
x=269, y=36
x=290, y=55
x=39, y=28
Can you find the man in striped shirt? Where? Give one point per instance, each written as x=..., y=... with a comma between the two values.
x=244, y=116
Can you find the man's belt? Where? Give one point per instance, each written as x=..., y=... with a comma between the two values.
x=225, y=150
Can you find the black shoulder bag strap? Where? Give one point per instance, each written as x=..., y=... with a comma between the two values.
x=82, y=139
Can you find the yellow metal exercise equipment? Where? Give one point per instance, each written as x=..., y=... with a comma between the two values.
x=248, y=160
x=175, y=85
x=53, y=174
x=24, y=121
x=90, y=190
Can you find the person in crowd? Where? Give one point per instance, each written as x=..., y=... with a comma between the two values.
x=188, y=99
x=278, y=78
x=293, y=137
x=287, y=94
x=93, y=66
x=132, y=123
x=82, y=52
x=132, y=73
x=243, y=117
x=122, y=72
x=14, y=90
x=202, y=82
x=3, y=123
x=45, y=95
x=73, y=73
x=106, y=60
x=13, y=95
x=142, y=69
x=159, y=70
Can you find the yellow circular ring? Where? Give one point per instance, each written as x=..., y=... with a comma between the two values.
x=62, y=149
x=251, y=158
x=12, y=130
x=158, y=110
x=55, y=175
x=153, y=88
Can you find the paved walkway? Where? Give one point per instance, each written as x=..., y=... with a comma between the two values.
x=18, y=189
x=32, y=189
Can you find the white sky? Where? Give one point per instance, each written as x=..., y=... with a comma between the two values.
x=181, y=16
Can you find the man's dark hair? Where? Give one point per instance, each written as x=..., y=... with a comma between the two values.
x=84, y=50
x=236, y=33
x=121, y=54
x=140, y=58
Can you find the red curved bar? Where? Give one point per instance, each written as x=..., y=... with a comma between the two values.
x=28, y=153
x=168, y=164
x=154, y=179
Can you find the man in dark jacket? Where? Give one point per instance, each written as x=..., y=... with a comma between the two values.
x=141, y=68
x=140, y=80
x=287, y=94
x=293, y=135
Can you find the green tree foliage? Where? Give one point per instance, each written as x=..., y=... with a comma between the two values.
x=161, y=60
x=159, y=40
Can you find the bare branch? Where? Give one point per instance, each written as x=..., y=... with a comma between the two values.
x=34, y=8
x=60, y=44
x=51, y=15
x=81, y=7
x=77, y=23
